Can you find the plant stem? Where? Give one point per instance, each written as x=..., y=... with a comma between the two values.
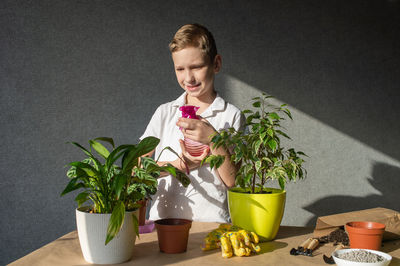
x=253, y=187
x=262, y=181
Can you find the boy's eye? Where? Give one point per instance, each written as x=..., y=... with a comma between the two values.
x=179, y=69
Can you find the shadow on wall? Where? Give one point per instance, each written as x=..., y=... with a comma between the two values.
x=385, y=178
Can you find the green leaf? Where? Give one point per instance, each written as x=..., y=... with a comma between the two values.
x=272, y=144
x=270, y=132
x=71, y=186
x=106, y=139
x=116, y=221
x=247, y=111
x=85, y=167
x=257, y=145
x=282, y=182
x=170, y=169
x=145, y=146
x=97, y=146
x=82, y=198
x=135, y=224
x=258, y=165
x=182, y=177
x=214, y=160
x=257, y=104
x=288, y=113
x=119, y=183
x=283, y=134
x=82, y=148
x=274, y=116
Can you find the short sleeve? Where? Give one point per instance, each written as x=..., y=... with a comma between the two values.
x=153, y=128
x=239, y=121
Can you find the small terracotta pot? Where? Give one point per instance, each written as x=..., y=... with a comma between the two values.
x=142, y=212
x=173, y=234
x=365, y=235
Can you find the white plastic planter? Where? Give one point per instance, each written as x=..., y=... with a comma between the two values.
x=92, y=230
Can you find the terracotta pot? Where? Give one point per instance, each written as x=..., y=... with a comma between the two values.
x=365, y=235
x=142, y=212
x=173, y=234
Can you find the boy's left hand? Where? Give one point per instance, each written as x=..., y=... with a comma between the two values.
x=198, y=130
x=192, y=162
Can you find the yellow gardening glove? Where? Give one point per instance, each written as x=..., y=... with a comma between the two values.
x=232, y=240
x=242, y=243
x=212, y=240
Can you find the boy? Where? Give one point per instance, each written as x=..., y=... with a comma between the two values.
x=196, y=62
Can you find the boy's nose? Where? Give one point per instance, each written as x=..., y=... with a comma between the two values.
x=189, y=77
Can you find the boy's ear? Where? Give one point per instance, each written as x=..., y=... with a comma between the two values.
x=217, y=63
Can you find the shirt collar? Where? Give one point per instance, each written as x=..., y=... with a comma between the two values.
x=217, y=105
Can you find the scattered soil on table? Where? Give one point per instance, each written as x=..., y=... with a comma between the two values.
x=339, y=236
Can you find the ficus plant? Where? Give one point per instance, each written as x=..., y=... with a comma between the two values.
x=112, y=188
x=257, y=148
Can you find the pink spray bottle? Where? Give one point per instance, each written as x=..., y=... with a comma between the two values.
x=193, y=147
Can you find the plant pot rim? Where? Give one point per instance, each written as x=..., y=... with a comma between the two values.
x=239, y=190
x=85, y=208
x=365, y=227
x=181, y=220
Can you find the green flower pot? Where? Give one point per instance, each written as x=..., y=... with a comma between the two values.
x=260, y=213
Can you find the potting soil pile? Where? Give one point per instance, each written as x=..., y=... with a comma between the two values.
x=361, y=256
x=339, y=236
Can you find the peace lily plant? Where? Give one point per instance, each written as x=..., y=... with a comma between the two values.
x=257, y=149
x=116, y=189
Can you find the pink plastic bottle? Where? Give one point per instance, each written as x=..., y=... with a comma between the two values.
x=193, y=147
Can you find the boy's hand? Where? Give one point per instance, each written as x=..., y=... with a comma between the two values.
x=191, y=161
x=198, y=130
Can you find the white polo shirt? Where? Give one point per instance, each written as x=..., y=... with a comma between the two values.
x=205, y=198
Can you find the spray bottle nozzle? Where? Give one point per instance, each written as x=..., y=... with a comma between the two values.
x=189, y=111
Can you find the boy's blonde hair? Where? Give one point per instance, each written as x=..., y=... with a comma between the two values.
x=194, y=35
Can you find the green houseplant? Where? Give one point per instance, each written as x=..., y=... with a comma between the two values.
x=261, y=160
x=114, y=191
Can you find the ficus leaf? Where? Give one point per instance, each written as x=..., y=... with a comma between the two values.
x=274, y=115
x=272, y=144
x=270, y=132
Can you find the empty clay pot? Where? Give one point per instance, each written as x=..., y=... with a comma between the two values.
x=173, y=234
x=365, y=235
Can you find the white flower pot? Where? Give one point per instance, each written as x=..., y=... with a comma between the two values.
x=92, y=230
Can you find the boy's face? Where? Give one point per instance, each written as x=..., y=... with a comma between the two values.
x=194, y=71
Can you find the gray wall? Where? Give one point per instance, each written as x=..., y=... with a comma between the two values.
x=75, y=70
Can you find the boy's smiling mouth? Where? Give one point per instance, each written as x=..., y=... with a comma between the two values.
x=192, y=87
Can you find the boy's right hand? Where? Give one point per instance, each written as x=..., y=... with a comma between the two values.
x=192, y=161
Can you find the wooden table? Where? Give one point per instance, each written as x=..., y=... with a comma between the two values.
x=66, y=251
